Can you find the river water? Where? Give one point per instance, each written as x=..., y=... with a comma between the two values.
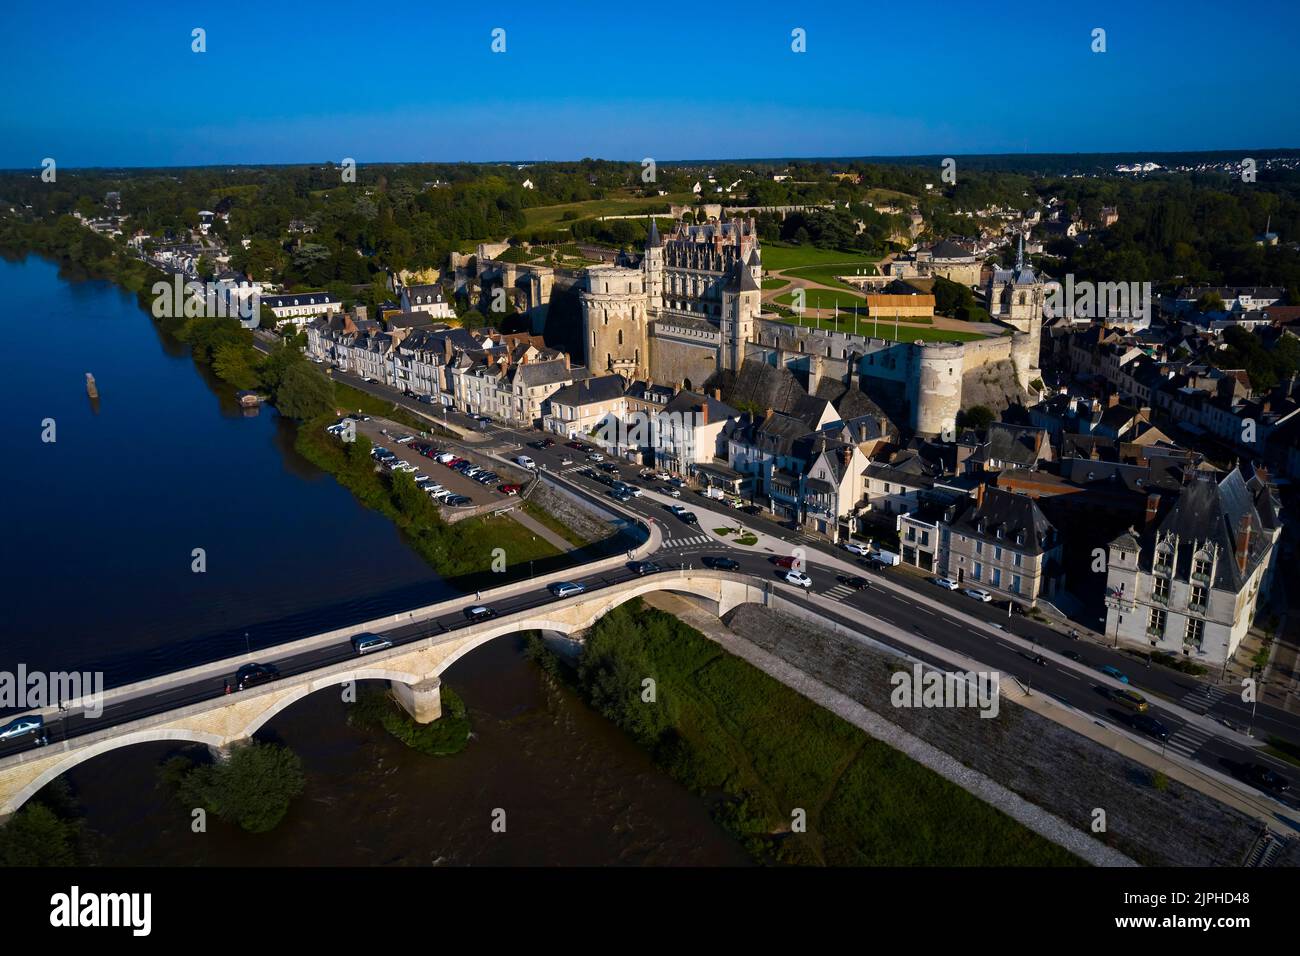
x=100, y=526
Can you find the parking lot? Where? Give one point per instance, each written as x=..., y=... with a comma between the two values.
x=458, y=479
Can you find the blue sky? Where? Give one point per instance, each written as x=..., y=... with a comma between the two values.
x=99, y=84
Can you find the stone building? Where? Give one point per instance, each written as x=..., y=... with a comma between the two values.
x=1191, y=580
x=1001, y=542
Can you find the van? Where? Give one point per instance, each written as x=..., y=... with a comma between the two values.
x=526, y=462
x=365, y=642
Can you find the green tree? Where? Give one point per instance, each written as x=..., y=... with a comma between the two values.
x=978, y=417
x=36, y=836
x=252, y=789
x=304, y=393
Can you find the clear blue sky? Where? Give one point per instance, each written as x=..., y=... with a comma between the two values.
x=99, y=83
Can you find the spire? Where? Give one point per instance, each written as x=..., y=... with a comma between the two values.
x=1020, y=251
x=652, y=240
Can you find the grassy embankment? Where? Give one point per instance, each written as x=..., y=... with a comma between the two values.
x=762, y=752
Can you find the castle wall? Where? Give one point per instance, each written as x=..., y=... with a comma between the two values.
x=674, y=361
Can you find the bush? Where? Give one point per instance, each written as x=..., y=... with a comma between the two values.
x=253, y=789
x=447, y=735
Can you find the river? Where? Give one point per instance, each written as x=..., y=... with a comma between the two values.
x=100, y=528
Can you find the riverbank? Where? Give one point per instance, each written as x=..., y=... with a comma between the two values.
x=829, y=796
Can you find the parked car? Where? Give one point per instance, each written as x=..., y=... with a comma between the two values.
x=595, y=456
x=563, y=589
x=457, y=500
x=525, y=462
x=509, y=489
x=948, y=584
x=751, y=510
x=1114, y=672
x=852, y=547
x=798, y=578
x=250, y=675
x=674, y=492
x=480, y=612
x=575, y=445
x=22, y=726
x=720, y=563
x=405, y=439
x=566, y=460
x=609, y=467
x=979, y=594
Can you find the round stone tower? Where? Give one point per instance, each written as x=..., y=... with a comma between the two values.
x=614, y=306
x=936, y=387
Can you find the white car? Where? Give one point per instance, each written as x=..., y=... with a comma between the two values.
x=633, y=490
x=948, y=584
x=799, y=578
x=405, y=439
x=673, y=492
x=404, y=466
x=525, y=462
x=445, y=457
x=978, y=594
x=595, y=456
x=852, y=547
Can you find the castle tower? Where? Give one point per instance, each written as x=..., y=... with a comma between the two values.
x=614, y=321
x=740, y=309
x=1017, y=297
x=654, y=267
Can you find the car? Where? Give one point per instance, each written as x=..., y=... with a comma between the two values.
x=852, y=547
x=857, y=582
x=566, y=460
x=1130, y=699
x=1266, y=779
x=405, y=466
x=420, y=478
x=948, y=584
x=720, y=563
x=632, y=490
x=445, y=458
x=676, y=482
x=751, y=510
x=563, y=589
x=979, y=594
x=575, y=445
x=365, y=642
x=525, y=462
x=1149, y=725
x=1114, y=672
x=405, y=439
x=480, y=612
x=250, y=675
x=674, y=492
x=664, y=476
x=22, y=726
x=646, y=567
x=785, y=561
x=1075, y=656
x=798, y=578
x=595, y=456
x=537, y=445
x=548, y=443
x=609, y=467
x=689, y=517
x=509, y=489
x=622, y=497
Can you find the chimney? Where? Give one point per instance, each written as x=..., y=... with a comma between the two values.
x=567, y=367
x=768, y=414
x=979, y=496
x=1243, y=543
x=1153, y=508
x=704, y=413
x=717, y=394
x=1112, y=399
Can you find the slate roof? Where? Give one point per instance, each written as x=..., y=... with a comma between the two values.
x=1010, y=513
x=589, y=391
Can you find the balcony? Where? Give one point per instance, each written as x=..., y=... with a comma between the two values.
x=1201, y=577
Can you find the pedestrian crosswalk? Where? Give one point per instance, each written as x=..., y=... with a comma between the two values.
x=692, y=541
x=840, y=591
x=1188, y=740
x=1203, y=699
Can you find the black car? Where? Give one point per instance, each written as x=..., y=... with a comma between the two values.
x=480, y=612
x=1149, y=725
x=646, y=567
x=719, y=563
x=250, y=675
x=689, y=517
x=1266, y=779
x=608, y=466
x=752, y=510
x=854, y=581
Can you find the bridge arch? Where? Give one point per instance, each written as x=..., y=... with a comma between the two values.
x=80, y=755
x=290, y=697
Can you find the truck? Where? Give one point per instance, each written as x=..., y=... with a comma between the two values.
x=717, y=494
x=887, y=558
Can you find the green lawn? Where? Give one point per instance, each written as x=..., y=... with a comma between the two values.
x=778, y=256
x=613, y=206
x=761, y=750
x=774, y=283
x=827, y=274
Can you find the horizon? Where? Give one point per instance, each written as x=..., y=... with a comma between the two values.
x=128, y=92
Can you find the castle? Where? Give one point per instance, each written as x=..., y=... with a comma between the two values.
x=689, y=312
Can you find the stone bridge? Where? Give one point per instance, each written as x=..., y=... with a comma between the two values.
x=413, y=671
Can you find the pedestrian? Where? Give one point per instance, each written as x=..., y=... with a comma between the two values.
x=226, y=685
x=478, y=595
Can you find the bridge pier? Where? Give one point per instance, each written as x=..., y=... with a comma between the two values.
x=423, y=701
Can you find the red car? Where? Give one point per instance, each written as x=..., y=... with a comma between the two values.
x=575, y=445
x=453, y=462
x=786, y=562
x=509, y=489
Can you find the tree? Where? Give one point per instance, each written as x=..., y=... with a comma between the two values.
x=304, y=393
x=37, y=837
x=1209, y=302
x=252, y=789
x=978, y=417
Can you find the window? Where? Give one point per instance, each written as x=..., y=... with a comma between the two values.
x=997, y=552
x=1015, y=584
x=1017, y=561
x=996, y=578
x=979, y=571
x=1200, y=568
x=1160, y=590
x=1156, y=622
x=1197, y=599
x=979, y=547
x=1194, y=631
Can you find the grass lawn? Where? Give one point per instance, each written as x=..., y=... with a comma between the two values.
x=885, y=329
x=774, y=283
x=826, y=274
x=613, y=206
x=725, y=728
x=351, y=399
x=540, y=514
x=777, y=257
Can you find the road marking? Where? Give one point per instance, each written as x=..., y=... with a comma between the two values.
x=1188, y=740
